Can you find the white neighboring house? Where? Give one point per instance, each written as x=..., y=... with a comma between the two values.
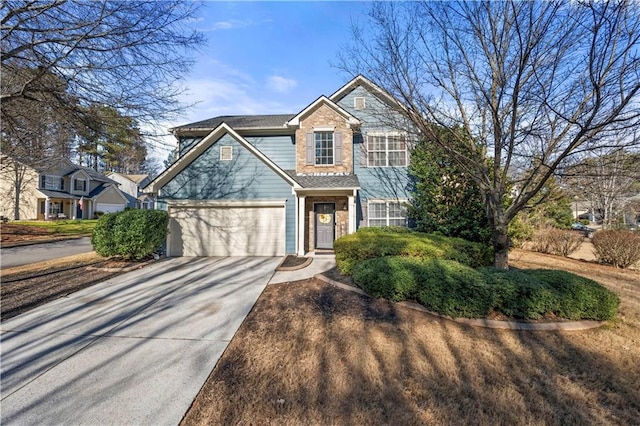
x=56, y=188
x=131, y=186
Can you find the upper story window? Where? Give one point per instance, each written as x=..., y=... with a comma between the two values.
x=52, y=182
x=80, y=185
x=387, y=213
x=359, y=102
x=324, y=148
x=387, y=150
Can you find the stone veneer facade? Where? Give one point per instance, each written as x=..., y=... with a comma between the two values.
x=324, y=116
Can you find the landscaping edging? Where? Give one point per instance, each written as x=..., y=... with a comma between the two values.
x=483, y=322
x=306, y=263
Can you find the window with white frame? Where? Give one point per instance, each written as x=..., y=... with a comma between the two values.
x=387, y=213
x=387, y=149
x=52, y=182
x=324, y=148
x=359, y=102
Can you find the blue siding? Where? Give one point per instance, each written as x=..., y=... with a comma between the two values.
x=245, y=177
x=376, y=182
x=280, y=149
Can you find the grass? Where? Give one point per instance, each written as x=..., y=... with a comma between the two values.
x=310, y=353
x=62, y=227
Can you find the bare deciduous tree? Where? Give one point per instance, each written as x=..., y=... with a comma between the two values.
x=607, y=180
x=123, y=54
x=522, y=86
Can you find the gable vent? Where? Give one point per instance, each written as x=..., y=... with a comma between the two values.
x=226, y=153
x=359, y=102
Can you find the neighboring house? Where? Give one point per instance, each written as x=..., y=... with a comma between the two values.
x=270, y=185
x=131, y=186
x=56, y=189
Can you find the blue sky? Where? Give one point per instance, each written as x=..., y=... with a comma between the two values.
x=268, y=57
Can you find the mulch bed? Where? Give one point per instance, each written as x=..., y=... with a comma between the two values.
x=23, y=291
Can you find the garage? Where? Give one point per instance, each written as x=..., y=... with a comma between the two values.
x=227, y=230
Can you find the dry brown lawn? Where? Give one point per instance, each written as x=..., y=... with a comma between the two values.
x=310, y=353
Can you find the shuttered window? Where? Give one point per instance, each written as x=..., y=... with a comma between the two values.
x=323, y=148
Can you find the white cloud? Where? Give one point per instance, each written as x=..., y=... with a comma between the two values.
x=281, y=84
x=231, y=24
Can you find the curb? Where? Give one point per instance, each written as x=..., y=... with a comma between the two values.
x=483, y=322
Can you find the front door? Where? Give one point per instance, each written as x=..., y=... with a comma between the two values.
x=325, y=221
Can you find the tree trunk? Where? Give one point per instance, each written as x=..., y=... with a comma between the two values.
x=500, y=246
x=17, y=191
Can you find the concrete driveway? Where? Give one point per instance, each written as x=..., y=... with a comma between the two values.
x=24, y=255
x=135, y=349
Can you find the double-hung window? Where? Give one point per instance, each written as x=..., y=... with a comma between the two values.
x=324, y=148
x=51, y=182
x=387, y=149
x=79, y=185
x=387, y=213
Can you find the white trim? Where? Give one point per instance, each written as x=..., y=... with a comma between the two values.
x=301, y=213
x=351, y=208
x=201, y=147
x=325, y=129
x=350, y=119
x=225, y=203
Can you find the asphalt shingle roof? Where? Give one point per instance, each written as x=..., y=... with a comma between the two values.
x=325, y=180
x=240, y=121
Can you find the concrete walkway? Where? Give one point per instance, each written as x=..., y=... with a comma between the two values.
x=132, y=350
x=320, y=264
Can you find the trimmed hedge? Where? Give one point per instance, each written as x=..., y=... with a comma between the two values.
x=370, y=243
x=132, y=234
x=450, y=288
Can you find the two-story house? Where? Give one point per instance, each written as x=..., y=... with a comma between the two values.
x=131, y=186
x=289, y=183
x=56, y=189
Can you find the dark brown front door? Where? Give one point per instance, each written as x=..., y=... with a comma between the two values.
x=325, y=221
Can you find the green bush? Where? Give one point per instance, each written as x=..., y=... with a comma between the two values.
x=103, y=234
x=132, y=234
x=619, y=248
x=450, y=288
x=370, y=243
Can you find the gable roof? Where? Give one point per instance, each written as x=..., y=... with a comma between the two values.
x=239, y=122
x=350, y=119
x=201, y=147
x=361, y=80
x=133, y=178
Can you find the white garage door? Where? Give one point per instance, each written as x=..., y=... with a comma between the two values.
x=109, y=208
x=226, y=231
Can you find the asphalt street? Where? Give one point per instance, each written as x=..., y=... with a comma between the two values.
x=24, y=255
